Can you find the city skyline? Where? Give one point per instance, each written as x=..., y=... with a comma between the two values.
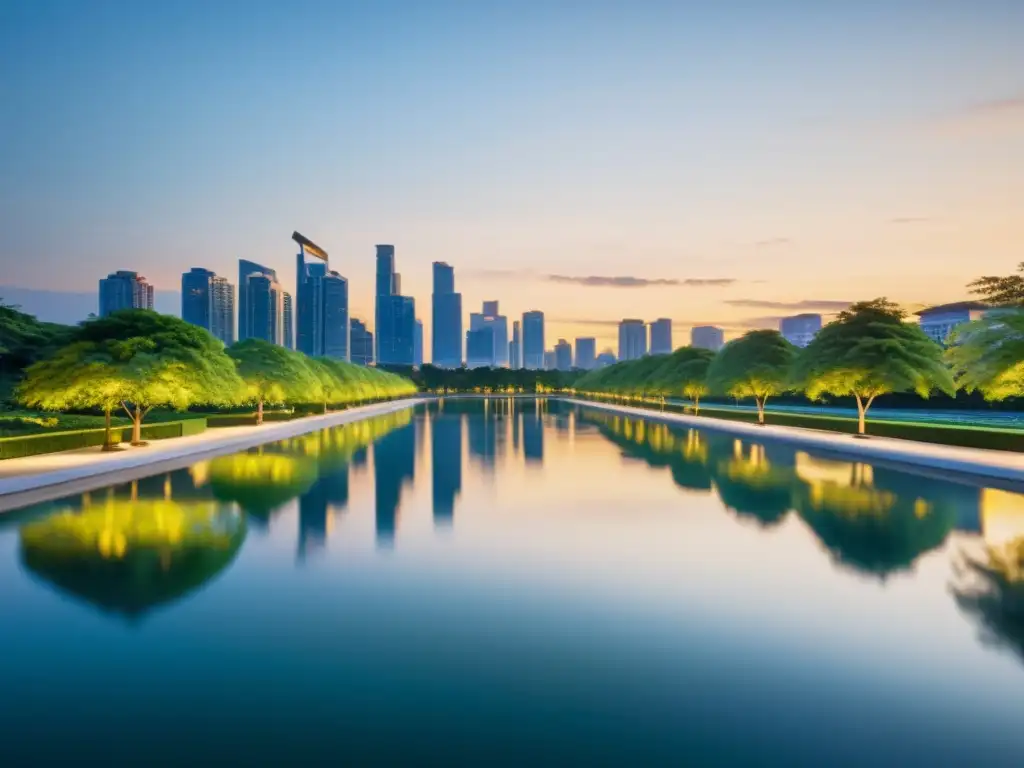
x=720, y=193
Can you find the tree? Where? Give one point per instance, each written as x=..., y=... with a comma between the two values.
x=273, y=374
x=1005, y=291
x=987, y=355
x=331, y=385
x=685, y=373
x=869, y=351
x=137, y=359
x=757, y=365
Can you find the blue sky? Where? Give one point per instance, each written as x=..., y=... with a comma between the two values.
x=795, y=154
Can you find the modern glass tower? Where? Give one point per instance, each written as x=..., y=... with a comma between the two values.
x=661, y=336
x=515, y=347
x=361, y=341
x=446, y=308
x=563, y=355
x=586, y=353
x=248, y=320
x=288, y=325
x=533, y=340
x=707, y=337
x=417, y=344
x=124, y=290
x=632, y=339
x=498, y=325
x=208, y=301
x=395, y=314
x=266, y=308
x=335, y=331
x=311, y=269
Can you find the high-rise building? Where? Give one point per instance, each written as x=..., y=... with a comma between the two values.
x=550, y=362
x=417, y=344
x=498, y=325
x=661, y=336
x=563, y=355
x=209, y=302
x=480, y=348
x=124, y=290
x=605, y=359
x=632, y=339
x=938, y=322
x=362, y=343
x=396, y=314
x=586, y=353
x=322, y=311
x=515, y=347
x=707, y=337
x=446, y=341
x=266, y=308
x=288, y=321
x=533, y=340
x=335, y=316
x=800, y=329
x=248, y=271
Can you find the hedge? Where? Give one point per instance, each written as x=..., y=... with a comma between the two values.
x=216, y=420
x=33, y=445
x=941, y=434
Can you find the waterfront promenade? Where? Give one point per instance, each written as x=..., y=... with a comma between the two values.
x=35, y=479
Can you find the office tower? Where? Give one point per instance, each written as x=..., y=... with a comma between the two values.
x=361, y=341
x=515, y=347
x=288, y=322
x=661, y=336
x=335, y=333
x=586, y=353
x=550, y=361
x=124, y=290
x=939, y=322
x=490, y=308
x=800, y=329
x=417, y=344
x=533, y=340
x=480, y=348
x=563, y=355
x=707, y=337
x=248, y=270
x=446, y=458
x=395, y=314
x=209, y=302
x=446, y=304
x=632, y=339
x=605, y=359
x=266, y=308
x=498, y=325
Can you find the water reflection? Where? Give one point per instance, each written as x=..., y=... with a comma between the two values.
x=128, y=557
x=394, y=463
x=446, y=460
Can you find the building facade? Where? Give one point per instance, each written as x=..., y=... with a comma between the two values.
x=249, y=271
x=632, y=339
x=563, y=355
x=266, y=309
x=939, y=322
x=707, y=337
x=124, y=290
x=446, y=320
x=497, y=323
x=533, y=340
x=417, y=344
x=515, y=347
x=208, y=301
x=661, y=336
x=361, y=341
x=800, y=330
x=480, y=348
x=395, y=314
x=288, y=321
x=605, y=359
x=335, y=333
x=586, y=353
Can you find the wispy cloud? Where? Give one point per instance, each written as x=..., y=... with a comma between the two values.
x=910, y=219
x=773, y=242
x=822, y=305
x=623, y=281
x=603, y=281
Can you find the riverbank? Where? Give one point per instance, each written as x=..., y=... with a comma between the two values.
x=1002, y=466
x=35, y=479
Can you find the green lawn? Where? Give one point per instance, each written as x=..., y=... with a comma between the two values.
x=17, y=423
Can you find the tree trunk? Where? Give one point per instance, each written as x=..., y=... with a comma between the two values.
x=696, y=405
x=108, y=443
x=259, y=412
x=325, y=406
x=137, y=426
x=860, y=416
x=760, y=410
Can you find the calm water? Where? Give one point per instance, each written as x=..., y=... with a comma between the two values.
x=503, y=582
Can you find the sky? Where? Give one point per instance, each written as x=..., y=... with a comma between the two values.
x=716, y=163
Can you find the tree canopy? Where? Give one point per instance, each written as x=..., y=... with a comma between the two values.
x=1006, y=291
x=273, y=374
x=869, y=351
x=25, y=340
x=757, y=365
x=987, y=355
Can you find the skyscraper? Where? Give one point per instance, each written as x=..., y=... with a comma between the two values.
x=632, y=339
x=563, y=355
x=247, y=271
x=489, y=319
x=124, y=290
x=209, y=302
x=707, y=337
x=480, y=348
x=533, y=340
x=395, y=314
x=605, y=359
x=362, y=343
x=335, y=316
x=446, y=307
x=266, y=308
x=288, y=322
x=586, y=353
x=321, y=303
x=661, y=336
x=800, y=330
x=515, y=347
x=417, y=344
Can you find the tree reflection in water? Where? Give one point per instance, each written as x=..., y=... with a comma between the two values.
x=128, y=557
x=991, y=590
x=261, y=483
x=756, y=483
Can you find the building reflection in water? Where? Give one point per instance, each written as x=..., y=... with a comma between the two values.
x=328, y=496
x=533, y=433
x=394, y=462
x=483, y=436
x=446, y=460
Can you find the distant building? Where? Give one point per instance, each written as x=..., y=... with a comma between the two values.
x=124, y=290
x=288, y=322
x=707, y=337
x=335, y=323
x=661, y=337
x=515, y=347
x=550, y=362
x=208, y=301
x=258, y=324
x=800, y=330
x=480, y=348
x=632, y=339
x=563, y=355
x=498, y=325
x=586, y=353
x=417, y=344
x=605, y=359
x=321, y=304
x=395, y=314
x=446, y=306
x=938, y=322
x=533, y=340
x=361, y=341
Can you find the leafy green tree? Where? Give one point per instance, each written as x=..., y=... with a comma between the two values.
x=869, y=351
x=1007, y=291
x=25, y=340
x=137, y=359
x=332, y=386
x=758, y=365
x=987, y=355
x=273, y=374
x=685, y=373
